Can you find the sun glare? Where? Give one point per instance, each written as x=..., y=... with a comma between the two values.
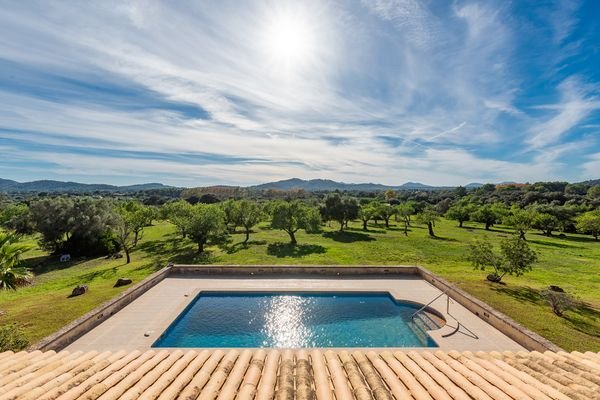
x=289, y=39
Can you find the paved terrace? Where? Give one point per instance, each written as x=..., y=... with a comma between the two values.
x=141, y=322
x=263, y=375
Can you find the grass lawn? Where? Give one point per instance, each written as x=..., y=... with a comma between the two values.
x=572, y=262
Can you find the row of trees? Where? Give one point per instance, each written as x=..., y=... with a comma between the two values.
x=89, y=226
x=211, y=223
x=546, y=218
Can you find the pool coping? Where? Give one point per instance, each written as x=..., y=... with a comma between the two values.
x=74, y=330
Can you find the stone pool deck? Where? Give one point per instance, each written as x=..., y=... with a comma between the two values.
x=141, y=322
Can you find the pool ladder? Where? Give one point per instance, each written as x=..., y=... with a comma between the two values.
x=448, y=301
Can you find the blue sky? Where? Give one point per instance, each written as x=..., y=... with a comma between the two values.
x=242, y=92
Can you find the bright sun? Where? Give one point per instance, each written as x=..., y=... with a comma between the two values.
x=289, y=39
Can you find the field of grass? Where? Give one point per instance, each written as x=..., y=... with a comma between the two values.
x=572, y=262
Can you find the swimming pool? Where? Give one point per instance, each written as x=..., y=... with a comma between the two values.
x=295, y=320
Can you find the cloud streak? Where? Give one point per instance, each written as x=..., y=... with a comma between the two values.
x=390, y=91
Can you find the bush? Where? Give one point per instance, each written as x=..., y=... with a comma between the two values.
x=12, y=338
x=559, y=301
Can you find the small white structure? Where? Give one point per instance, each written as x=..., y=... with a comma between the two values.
x=65, y=258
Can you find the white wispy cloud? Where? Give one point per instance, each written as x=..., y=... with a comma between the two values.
x=407, y=93
x=576, y=104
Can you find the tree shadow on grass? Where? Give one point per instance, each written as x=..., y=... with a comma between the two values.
x=522, y=293
x=577, y=239
x=348, y=237
x=557, y=245
x=101, y=273
x=234, y=248
x=281, y=250
x=162, y=247
x=370, y=229
x=584, y=318
x=443, y=239
x=479, y=228
x=44, y=264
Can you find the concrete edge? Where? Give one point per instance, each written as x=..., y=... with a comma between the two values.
x=74, y=330
x=517, y=332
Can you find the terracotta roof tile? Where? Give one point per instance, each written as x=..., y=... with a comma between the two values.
x=299, y=374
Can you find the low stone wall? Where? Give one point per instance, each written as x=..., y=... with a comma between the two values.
x=517, y=332
x=322, y=270
x=68, y=334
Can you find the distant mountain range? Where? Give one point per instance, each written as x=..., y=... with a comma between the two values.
x=311, y=185
x=7, y=185
x=314, y=185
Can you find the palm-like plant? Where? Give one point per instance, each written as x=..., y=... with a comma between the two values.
x=11, y=274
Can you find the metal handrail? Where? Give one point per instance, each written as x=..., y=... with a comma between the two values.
x=427, y=305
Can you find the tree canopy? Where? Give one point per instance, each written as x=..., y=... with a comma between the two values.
x=293, y=216
x=514, y=258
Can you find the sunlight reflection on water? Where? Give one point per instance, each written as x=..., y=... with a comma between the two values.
x=285, y=322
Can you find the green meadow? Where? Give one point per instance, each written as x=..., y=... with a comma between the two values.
x=570, y=261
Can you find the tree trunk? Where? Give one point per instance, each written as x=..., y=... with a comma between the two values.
x=127, y=256
x=247, y=236
x=405, y=228
x=365, y=226
x=135, y=238
x=387, y=222
x=460, y=223
x=487, y=226
x=200, y=247
x=292, y=237
x=341, y=226
x=430, y=228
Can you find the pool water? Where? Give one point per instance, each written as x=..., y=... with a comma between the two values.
x=295, y=320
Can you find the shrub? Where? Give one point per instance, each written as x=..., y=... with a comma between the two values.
x=559, y=301
x=12, y=338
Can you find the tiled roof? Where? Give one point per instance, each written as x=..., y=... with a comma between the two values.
x=299, y=374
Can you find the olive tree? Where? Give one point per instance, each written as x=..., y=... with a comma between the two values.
x=293, y=216
x=124, y=232
x=340, y=209
x=515, y=257
x=231, y=212
x=489, y=214
x=138, y=217
x=404, y=211
x=428, y=217
x=385, y=212
x=460, y=213
x=522, y=220
x=250, y=214
x=546, y=223
x=16, y=217
x=178, y=213
x=77, y=225
x=206, y=225
x=589, y=222
x=365, y=214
